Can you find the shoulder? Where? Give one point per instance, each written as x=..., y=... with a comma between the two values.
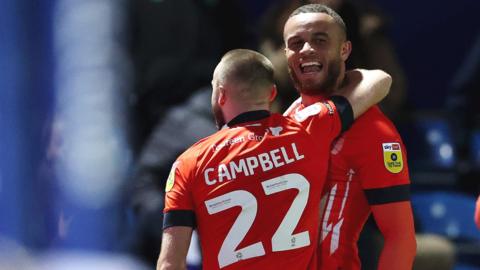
x=200, y=148
x=373, y=124
x=287, y=122
x=300, y=113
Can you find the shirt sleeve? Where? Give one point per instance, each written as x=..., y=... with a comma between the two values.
x=345, y=111
x=179, y=207
x=320, y=119
x=327, y=118
x=382, y=165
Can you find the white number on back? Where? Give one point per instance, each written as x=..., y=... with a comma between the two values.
x=282, y=238
x=247, y=201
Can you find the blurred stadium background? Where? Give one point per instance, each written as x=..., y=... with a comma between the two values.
x=83, y=84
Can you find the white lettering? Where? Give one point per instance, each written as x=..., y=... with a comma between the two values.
x=223, y=172
x=238, y=169
x=254, y=137
x=228, y=142
x=276, y=158
x=295, y=151
x=207, y=179
x=252, y=163
x=285, y=156
x=265, y=162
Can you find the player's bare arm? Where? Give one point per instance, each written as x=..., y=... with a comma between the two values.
x=365, y=88
x=175, y=243
x=399, y=249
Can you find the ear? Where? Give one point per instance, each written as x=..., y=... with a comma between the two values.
x=273, y=93
x=222, y=97
x=346, y=50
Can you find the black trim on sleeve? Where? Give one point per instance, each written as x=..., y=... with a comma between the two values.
x=388, y=194
x=179, y=218
x=345, y=111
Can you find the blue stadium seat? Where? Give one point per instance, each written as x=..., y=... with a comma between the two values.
x=450, y=214
x=446, y=213
x=436, y=136
x=466, y=267
x=475, y=149
x=432, y=155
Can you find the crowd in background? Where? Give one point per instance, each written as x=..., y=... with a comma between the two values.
x=115, y=90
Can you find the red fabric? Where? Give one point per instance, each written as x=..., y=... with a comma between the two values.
x=356, y=163
x=202, y=184
x=392, y=219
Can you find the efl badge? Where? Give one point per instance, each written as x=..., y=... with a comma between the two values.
x=392, y=157
x=171, y=177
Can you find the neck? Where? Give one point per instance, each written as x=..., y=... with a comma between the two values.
x=308, y=100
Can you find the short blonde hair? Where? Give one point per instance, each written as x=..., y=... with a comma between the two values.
x=250, y=72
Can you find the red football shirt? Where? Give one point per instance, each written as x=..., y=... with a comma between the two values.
x=368, y=166
x=254, y=188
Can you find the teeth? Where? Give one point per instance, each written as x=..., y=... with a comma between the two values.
x=308, y=64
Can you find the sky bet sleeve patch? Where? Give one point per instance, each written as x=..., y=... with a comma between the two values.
x=171, y=177
x=392, y=157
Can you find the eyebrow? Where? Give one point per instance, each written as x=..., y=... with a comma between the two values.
x=320, y=34
x=316, y=34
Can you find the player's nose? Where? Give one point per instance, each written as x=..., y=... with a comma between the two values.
x=306, y=48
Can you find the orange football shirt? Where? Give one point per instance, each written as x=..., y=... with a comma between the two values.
x=253, y=189
x=368, y=166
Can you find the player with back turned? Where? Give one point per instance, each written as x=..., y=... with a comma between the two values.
x=253, y=188
x=368, y=171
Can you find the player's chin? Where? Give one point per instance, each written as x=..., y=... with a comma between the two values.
x=313, y=83
x=311, y=90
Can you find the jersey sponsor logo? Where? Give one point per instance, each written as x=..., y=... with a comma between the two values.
x=392, y=157
x=228, y=142
x=171, y=177
x=275, y=131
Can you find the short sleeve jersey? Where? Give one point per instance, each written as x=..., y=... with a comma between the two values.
x=368, y=166
x=253, y=189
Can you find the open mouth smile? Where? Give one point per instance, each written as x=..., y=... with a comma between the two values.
x=310, y=67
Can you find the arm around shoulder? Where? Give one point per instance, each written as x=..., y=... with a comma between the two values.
x=365, y=88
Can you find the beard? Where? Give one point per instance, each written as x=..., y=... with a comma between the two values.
x=218, y=115
x=326, y=87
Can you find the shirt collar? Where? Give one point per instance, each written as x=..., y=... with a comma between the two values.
x=248, y=117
